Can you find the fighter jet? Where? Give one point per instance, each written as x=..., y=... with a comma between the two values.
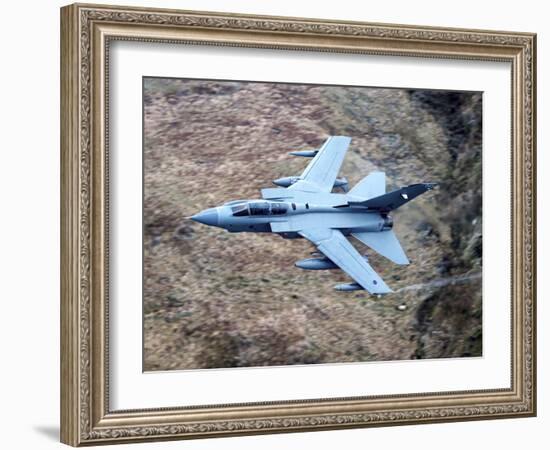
x=305, y=206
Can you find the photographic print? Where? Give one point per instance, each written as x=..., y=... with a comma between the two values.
x=293, y=224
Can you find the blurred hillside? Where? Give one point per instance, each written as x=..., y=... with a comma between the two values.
x=215, y=299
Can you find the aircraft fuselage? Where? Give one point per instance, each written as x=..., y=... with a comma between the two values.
x=264, y=216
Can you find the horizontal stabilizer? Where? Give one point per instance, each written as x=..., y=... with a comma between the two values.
x=371, y=186
x=385, y=243
x=394, y=199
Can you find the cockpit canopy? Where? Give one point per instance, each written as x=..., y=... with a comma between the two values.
x=259, y=209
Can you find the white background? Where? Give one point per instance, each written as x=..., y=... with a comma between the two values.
x=29, y=225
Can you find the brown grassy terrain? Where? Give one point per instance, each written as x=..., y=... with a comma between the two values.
x=215, y=299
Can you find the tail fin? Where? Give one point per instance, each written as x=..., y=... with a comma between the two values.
x=395, y=199
x=371, y=186
x=385, y=243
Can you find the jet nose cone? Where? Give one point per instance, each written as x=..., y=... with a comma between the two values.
x=208, y=217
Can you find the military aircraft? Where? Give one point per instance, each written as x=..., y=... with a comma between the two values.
x=305, y=206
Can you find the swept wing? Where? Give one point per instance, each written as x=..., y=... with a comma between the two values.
x=385, y=243
x=333, y=244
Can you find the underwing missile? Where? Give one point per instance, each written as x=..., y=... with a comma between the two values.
x=316, y=264
x=305, y=153
x=347, y=287
x=286, y=181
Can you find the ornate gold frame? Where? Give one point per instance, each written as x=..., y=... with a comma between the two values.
x=86, y=31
